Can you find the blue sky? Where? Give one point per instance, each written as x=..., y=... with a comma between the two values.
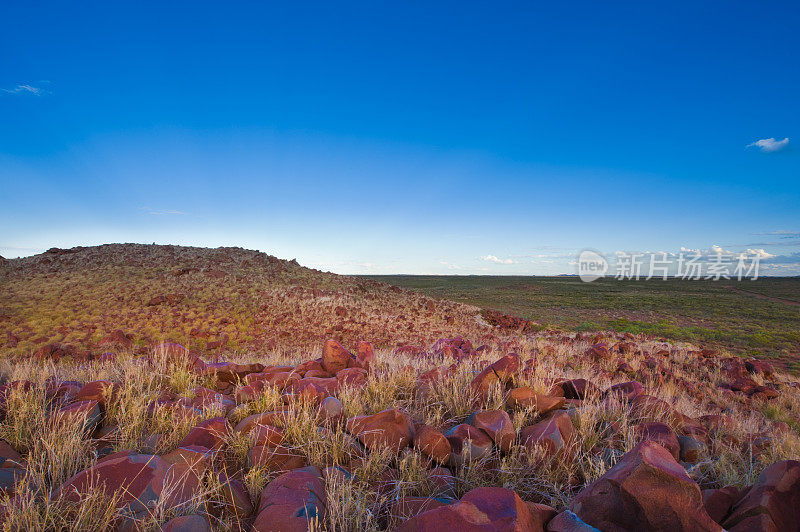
x=414, y=137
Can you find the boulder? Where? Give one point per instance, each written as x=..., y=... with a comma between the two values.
x=646, y=490
x=87, y=414
x=365, y=355
x=99, y=391
x=525, y=397
x=432, y=443
x=718, y=502
x=692, y=449
x=626, y=390
x=497, y=425
x=488, y=509
x=143, y=480
x=501, y=371
x=469, y=442
x=407, y=507
x=211, y=434
x=552, y=434
x=773, y=501
x=390, y=428
x=661, y=434
x=291, y=502
x=335, y=357
x=275, y=458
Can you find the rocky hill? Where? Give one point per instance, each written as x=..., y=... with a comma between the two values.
x=212, y=300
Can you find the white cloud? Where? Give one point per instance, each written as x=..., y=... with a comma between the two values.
x=450, y=266
x=37, y=91
x=761, y=253
x=769, y=145
x=719, y=250
x=497, y=260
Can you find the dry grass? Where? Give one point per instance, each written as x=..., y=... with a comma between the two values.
x=55, y=451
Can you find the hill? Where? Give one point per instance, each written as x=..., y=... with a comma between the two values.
x=211, y=300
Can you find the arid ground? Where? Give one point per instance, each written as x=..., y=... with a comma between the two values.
x=174, y=388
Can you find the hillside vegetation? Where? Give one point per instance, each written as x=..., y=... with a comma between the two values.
x=217, y=300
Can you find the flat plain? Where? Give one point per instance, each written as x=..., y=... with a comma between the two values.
x=755, y=318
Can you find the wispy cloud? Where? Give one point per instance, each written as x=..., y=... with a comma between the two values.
x=769, y=145
x=154, y=212
x=26, y=89
x=497, y=260
x=781, y=233
x=450, y=265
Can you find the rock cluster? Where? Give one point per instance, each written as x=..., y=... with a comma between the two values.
x=646, y=488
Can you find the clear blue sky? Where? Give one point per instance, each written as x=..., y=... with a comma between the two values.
x=411, y=137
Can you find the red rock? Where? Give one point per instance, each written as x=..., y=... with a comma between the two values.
x=480, y=510
x=461, y=516
x=235, y=497
x=579, y=389
x=156, y=300
x=267, y=436
x=307, y=366
x=432, y=443
x=291, y=501
x=142, y=480
x=335, y=357
x=230, y=372
x=390, y=428
x=9, y=479
x=597, y=352
x=526, y=398
x=318, y=373
x=504, y=509
x=774, y=500
x=552, y=434
x=352, y=377
x=275, y=459
x=250, y=392
x=276, y=417
x=499, y=372
x=759, y=366
x=718, y=502
x=744, y=385
x=85, y=413
x=407, y=507
x=282, y=379
x=662, y=435
x=646, y=490
x=310, y=390
x=187, y=523
x=9, y=457
x=692, y=449
x=497, y=425
x=99, y=391
x=55, y=352
x=468, y=441
x=627, y=390
x=365, y=354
